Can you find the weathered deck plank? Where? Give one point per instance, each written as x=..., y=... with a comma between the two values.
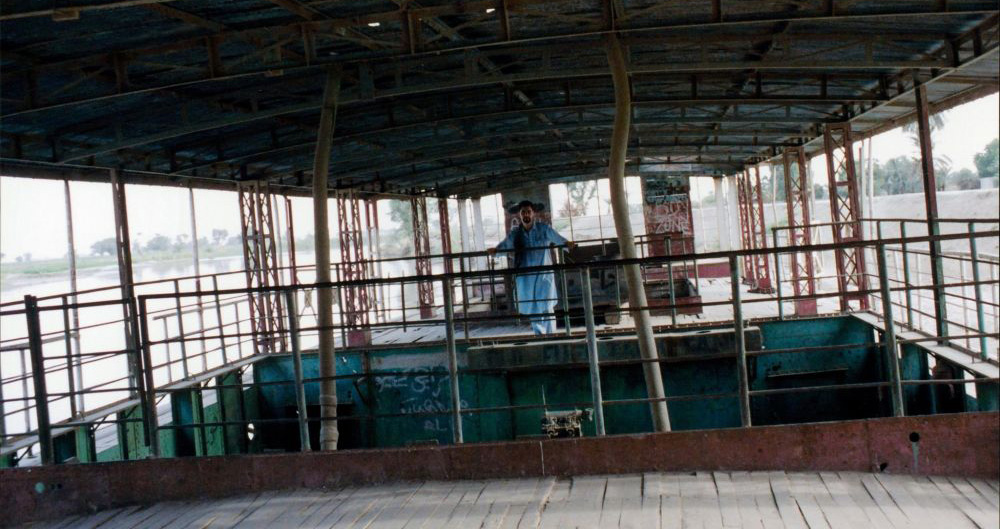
x=665, y=500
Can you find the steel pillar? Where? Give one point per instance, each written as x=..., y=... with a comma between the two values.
x=758, y=234
x=353, y=268
x=844, y=213
x=623, y=227
x=75, y=366
x=261, y=266
x=422, y=251
x=444, y=222
x=746, y=241
x=329, y=434
x=721, y=215
x=123, y=244
x=931, y=209
x=799, y=221
x=293, y=273
x=479, y=231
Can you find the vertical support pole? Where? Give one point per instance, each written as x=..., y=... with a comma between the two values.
x=456, y=398
x=740, y=343
x=356, y=302
x=721, y=215
x=147, y=387
x=980, y=315
x=931, y=209
x=38, y=378
x=422, y=251
x=197, y=279
x=300, y=388
x=758, y=233
x=891, y=356
x=799, y=226
x=845, y=210
x=480, y=231
x=592, y=356
x=445, y=226
x=123, y=243
x=777, y=272
x=329, y=434
x=74, y=331
x=746, y=241
x=906, y=275
x=180, y=330
x=564, y=292
x=623, y=226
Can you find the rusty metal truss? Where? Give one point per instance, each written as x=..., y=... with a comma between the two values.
x=445, y=222
x=845, y=213
x=758, y=234
x=746, y=241
x=353, y=266
x=799, y=221
x=260, y=255
x=422, y=250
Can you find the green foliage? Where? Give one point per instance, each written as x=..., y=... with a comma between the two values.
x=578, y=196
x=104, y=247
x=988, y=160
x=897, y=176
x=964, y=179
x=159, y=243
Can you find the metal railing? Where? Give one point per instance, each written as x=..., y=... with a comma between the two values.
x=187, y=337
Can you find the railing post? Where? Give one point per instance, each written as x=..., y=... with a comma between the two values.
x=892, y=357
x=906, y=276
x=777, y=272
x=739, y=342
x=980, y=316
x=456, y=400
x=595, y=369
x=668, y=243
x=38, y=377
x=300, y=389
x=564, y=295
x=180, y=329
x=75, y=397
x=146, y=387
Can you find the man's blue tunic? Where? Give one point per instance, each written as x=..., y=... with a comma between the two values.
x=536, y=293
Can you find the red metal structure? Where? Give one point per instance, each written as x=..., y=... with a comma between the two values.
x=422, y=250
x=260, y=254
x=445, y=232
x=758, y=233
x=844, y=213
x=293, y=271
x=799, y=220
x=353, y=268
x=745, y=239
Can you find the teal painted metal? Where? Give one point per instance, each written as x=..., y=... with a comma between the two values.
x=815, y=368
x=914, y=365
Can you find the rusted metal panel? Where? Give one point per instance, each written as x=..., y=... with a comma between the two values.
x=950, y=445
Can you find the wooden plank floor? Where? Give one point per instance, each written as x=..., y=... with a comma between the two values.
x=655, y=500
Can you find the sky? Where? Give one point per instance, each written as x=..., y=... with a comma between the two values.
x=33, y=215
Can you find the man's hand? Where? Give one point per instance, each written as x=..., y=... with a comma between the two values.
x=491, y=251
x=570, y=245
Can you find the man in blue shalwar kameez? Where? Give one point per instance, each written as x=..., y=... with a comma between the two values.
x=536, y=292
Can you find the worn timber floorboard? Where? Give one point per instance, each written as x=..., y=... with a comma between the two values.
x=654, y=500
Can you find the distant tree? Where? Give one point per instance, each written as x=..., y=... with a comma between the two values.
x=578, y=196
x=181, y=242
x=964, y=179
x=26, y=257
x=219, y=236
x=104, y=247
x=897, y=176
x=988, y=161
x=159, y=243
x=819, y=191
